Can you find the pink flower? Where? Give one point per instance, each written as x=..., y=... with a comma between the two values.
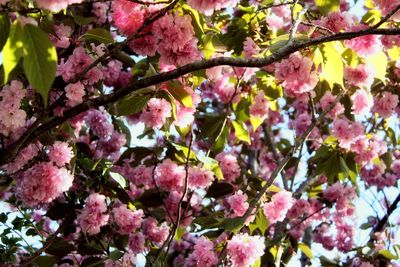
x=301, y=123
x=93, y=215
x=110, y=148
x=127, y=16
x=279, y=17
x=98, y=123
x=277, y=209
x=74, y=93
x=56, y=5
x=385, y=105
x=63, y=32
x=208, y=6
x=112, y=72
x=238, y=203
x=76, y=64
x=326, y=101
x=347, y=132
x=154, y=233
x=362, y=75
x=365, y=45
x=244, y=250
x=203, y=255
x=42, y=183
x=226, y=90
x=23, y=157
x=337, y=21
x=260, y=106
x=100, y=10
x=387, y=6
x=169, y=176
x=229, y=166
x=156, y=113
x=146, y=45
x=127, y=220
x=199, y=177
x=362, y=102
x=184, y=115
x=250, y=48
x=12, y=117
x=137, y=243
x=296, y=75
x=60, y=153
x=177, y=44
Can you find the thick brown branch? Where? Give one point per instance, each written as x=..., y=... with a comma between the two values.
x=9, y=153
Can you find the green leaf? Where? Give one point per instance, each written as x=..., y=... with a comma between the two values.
x=388, y=254
x=241, y=131
x=132, y=104
x=46, y=261
x=116, y=255
x=197, y=20
x=256, y=122
x=221, y=139
x=177, y=90
x=327, y=6
x=40, y=60
x=261, y=223
x=118, y=178
x=257, y=263
x=81, y=20
x=12, y=50
x=212, y=165
x=99, y=35
x=332, y=66
x=379, y=62
x=4, y=29
x=59, y=247
x=306, y=250
x=219, y=190
x=233, y=224
x=184, y=150
x=167, y=96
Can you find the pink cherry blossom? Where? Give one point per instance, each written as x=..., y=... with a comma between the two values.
x=260, y=106
x=93, y=215
x=365, y=45
x=74, y=93
x=199, y=177
x=60, y=153
x=362, y=75
x=169, y=176
x=244, y=249
x=156, y=113
x=154, y=233
x=328, y=100
x=296, y=74
x=280, y=204
x=203, y=255
x=127, y=16
x=208, y=6
x=56, y=5
x=238, y=203
x=362, y=102
x=386, y=104
x=42, y=183
x=127, y=220
x=250, y=48
x=229, y=166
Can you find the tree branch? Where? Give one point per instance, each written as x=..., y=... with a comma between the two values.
x=9, y=153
